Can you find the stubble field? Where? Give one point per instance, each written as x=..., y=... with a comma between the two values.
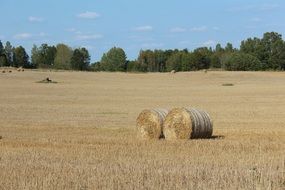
x=80, y=133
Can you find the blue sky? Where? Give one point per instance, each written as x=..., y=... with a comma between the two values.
x=133, y=25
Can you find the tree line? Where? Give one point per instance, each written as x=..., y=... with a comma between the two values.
x=254, y=54
x=47, y=57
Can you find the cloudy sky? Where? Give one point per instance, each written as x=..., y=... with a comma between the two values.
x=133, y=25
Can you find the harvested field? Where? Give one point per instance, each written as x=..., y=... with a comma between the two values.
x=81, y=132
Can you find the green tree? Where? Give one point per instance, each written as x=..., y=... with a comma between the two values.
x=114, y=60
x=217, y=54
x=47, y=56
x=241, y=62
x=21, y=57
x=276, y=59
x=134, y=66
x=1, y=48
x=63, y=57
x=186, y=61
x=145, y=60
x=96, y=66
x=219, y=48
x=215, y=60
x=272, y=45
x=174, y=62
x=160, y=60
x=35, y=57
x=202, y=57
x=269, y=50
x=229, y=48
x=80, y=59
x=3, y=59
x=9, y=54
x=86, y=63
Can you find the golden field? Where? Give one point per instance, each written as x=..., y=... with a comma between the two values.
x=80, y=133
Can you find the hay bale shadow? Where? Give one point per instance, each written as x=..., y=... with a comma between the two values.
x=217, y=137
x=214, y=137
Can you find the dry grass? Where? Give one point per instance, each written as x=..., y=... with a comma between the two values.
x=81, y=134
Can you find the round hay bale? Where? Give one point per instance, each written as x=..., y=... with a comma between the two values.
x=187, y=123
x=173, y=72
x=150, y=123
x=10, y=71
x=3, y=71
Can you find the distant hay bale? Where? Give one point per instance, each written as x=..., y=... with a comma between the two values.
x=23, y=70
x=173, y=72
x=10, y=71
x=0, y=137
x=150, y=123
x=3, y=71
x=187, y=123
x=47, y=80
x=20, y=69
x=227, y=84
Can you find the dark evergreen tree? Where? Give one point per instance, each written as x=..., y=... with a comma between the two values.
x=21, y=57
x=9, y=54
x=3, y=60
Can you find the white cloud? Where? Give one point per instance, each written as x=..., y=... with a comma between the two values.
x=138, y=38
x=71, y=29
x=184, y=42
x=216, y=28
x=89, y=37
x=241, y=8
x=199, y=29
x=261, y=7
x=256, y=19
x=23, y=36
x=152, y=45
x=177, y=30
x=89, y=47
x=144, y=28
x=209, y=43
x=88, y=15
x=74, y=30
x=266, y=7
x=35, y=19
x=43, y=34
x=250, y=27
